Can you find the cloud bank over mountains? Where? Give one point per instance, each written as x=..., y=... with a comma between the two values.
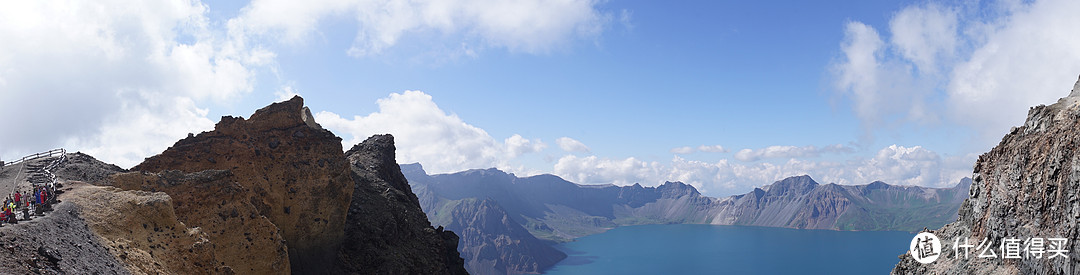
x=444, y=143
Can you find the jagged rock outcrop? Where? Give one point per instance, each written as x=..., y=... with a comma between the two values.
x=386, y=231
x=284, y=165
x=1028, y=186
x=215, y=204
x=142, y=230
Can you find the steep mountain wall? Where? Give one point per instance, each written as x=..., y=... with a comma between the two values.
x=494, y=242
x=1028, y=186
x=212, y=201
x=142, y=230
x=386, y=232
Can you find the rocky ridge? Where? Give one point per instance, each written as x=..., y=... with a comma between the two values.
x=272, y=194
x=1028, y=186
x=288, y=169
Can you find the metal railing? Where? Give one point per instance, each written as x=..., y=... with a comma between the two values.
x=46, y=170
x=45, y=154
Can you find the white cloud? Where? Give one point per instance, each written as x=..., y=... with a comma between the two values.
x=778, y=151
x=925, y=34
x=121, y=83
x=125, y=79
x=712, y=149
x=425, y=133
x=285, y=93
x=703, y=148
x=571, y=145
x=883, y=91
x=532, y=26
x=977, y=66
x=517, y=145
x=682, y=150
x=893, y=164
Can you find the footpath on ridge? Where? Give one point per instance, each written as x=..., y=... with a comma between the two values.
x=29, y=185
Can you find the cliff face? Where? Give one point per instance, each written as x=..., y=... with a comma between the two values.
x=142, y=230
x=215, y=203
x=386, y=232
x=287, y=168
x=494, y=242
x=1028, y=186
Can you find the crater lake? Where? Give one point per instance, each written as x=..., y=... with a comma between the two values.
x=725, y=249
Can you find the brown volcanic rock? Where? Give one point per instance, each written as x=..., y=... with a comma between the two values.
x=386, y=231
x=212, y=203
x=141, y=229
x=1026, y=187
x=293, y=170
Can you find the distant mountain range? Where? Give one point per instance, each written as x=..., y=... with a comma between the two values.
x=507, y=224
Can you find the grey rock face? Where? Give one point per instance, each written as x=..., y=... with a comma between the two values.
x=386, y=232
x=1026, y=187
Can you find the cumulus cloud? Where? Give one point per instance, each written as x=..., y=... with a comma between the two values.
x=517, y=145
x=977, y=66
x=894, y=164
x=125, y=83
x=703, y=148
x=683, y=150
x=532, y=26
x=778, y=151
x=712, y=149
x=925, y=34
x=571, y=145
x=424, y=133
x=119, y=83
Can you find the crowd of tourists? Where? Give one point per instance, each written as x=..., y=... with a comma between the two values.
x=25, y=205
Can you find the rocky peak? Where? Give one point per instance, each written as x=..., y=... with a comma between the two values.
x=676, y=189
x=377, y=155
x=1065, y=109
x=386, y=231
x=293, y=172
x=797, y=185
x=877, y=185
x=414, y=168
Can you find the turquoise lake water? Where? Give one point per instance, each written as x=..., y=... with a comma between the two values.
x=720, y=249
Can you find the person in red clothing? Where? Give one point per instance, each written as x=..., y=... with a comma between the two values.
x=18, y=198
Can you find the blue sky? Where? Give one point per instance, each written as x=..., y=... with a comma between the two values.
x=725, y=95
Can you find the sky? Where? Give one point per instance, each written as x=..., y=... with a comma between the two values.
x=724, y=95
